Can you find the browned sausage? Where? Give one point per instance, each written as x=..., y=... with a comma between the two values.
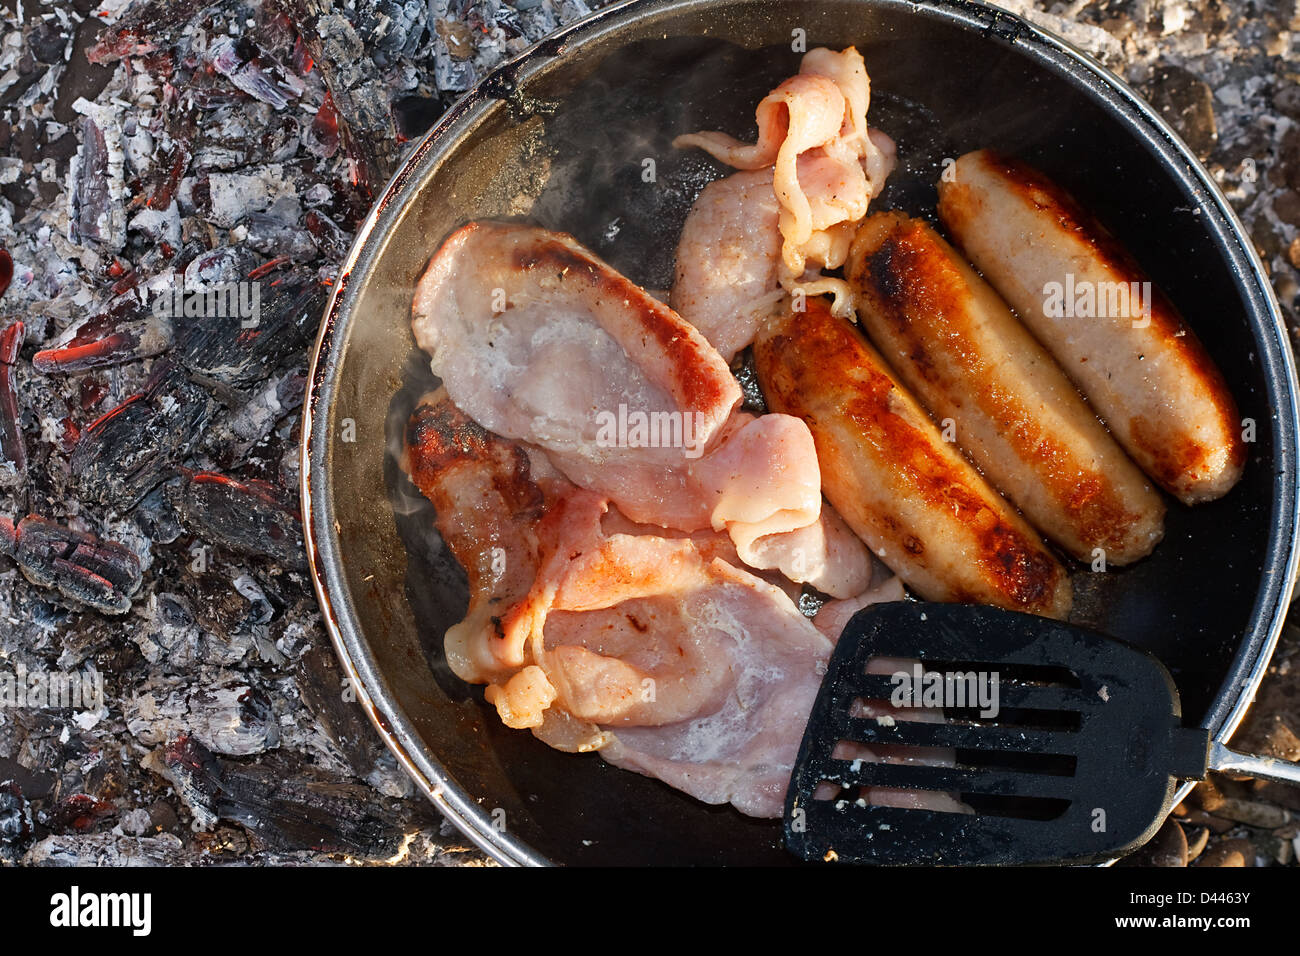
x=1143, y=369
x=959, y=349
x=919, y=505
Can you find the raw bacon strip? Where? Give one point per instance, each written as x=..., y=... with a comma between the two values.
x=668, y=660
x=780, y=524
x=762, y=478
x=827, y=164
x=848, y=72
x=761, y=484
x=728, y=260
x=488, y=508
x=706, y=685
x=881, y=158
x=740, y=750
x=834, y=616
x=538, y=340
x=570, y=529
x=709, y=543
x=533, y=336
x=825, y=554
x=803, y=112
x=552, y=363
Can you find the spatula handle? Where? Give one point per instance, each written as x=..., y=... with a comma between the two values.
x=1265, y=768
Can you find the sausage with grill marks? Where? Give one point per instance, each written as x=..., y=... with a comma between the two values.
x=957, y=346
x=1145, y=372
x=911, y=496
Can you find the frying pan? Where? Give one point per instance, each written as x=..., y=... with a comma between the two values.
x=575, y=135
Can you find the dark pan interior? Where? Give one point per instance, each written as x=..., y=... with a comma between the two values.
x=570, y=155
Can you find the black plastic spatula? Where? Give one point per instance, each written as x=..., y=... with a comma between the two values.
x=1052, y=743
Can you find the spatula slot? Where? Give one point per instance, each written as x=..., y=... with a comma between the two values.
x=1026, y=675
x=1049, y=765
x=957, y=686
x=947, y=778
x=1038, y=809
x=999, y=715
x=1067, y=720
x=853, y=752
x=831, y=795
x=976, y=736
x=899, y=798
x=860, y=784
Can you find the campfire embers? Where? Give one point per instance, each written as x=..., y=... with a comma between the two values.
x=246, y=517
x=253, y=70
x=357, y=93
x=144, y=28
x=227, y=350
x=124, y=332
x=93, y=211
x=222, y=355
x=123, y=454
x=228, y=143
x=163, y=178
x=13, y=454
x=283, y=805
x=15, y=813
x=100, y=574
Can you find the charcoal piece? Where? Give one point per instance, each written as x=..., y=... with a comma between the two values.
x=273, y=236
x=305, y=809
x=238, y=720
x=92, y=219
x=323, y=136
x=246, y=517
x=122, y=455
x=332, y=240
x=221, y=351
x=254, y=71
x=15, y=814
x=79, y=811
x=282, y=806
x=36, y=785
x=156, y=517
x=195, y=774
x=108, y=849
x=324, y=691
x=226, y=264
x=253, y=422
x=126, y=332
x=393, y=27
x=173, y=159
x=101, y=574
x=13, y=451
x=47, y=41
